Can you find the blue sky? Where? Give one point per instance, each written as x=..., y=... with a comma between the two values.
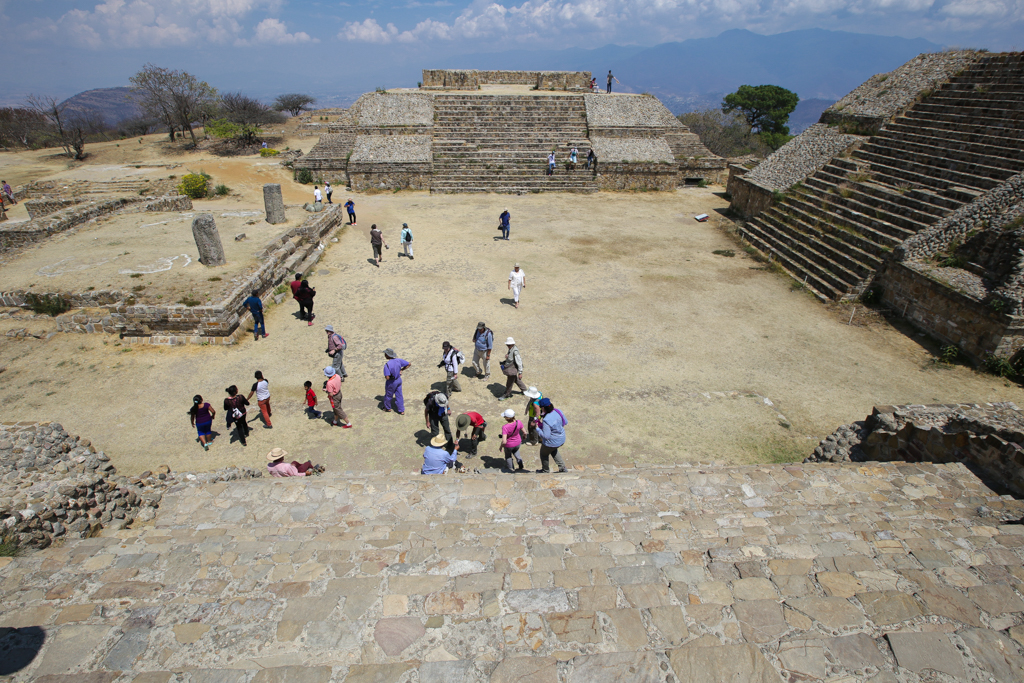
x=57, y=46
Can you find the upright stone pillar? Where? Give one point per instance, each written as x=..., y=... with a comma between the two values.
x=274, y=203
x=204, y=230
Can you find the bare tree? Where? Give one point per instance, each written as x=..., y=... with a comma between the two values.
x=176, y=98
x=293, y=103
x=242, y=109
x=19, y=126
x=68, y=127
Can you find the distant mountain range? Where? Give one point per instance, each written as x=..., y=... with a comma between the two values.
x=110, y=104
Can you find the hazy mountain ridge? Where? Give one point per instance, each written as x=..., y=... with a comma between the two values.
x=113, y=105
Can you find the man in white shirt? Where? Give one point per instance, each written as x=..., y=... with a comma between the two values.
x=317, y=197
x=450, y=363
x=328, y=191
x=516, y=283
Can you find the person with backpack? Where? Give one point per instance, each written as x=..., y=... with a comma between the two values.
x=436, y=412
x=483, y=342
x=503, y=223
x=336, y=346
x=532, y=413
x=511, y=440
x=234, y=410
x=451, y=360
x=512, y=368
x=407, y=240
x=552, y=436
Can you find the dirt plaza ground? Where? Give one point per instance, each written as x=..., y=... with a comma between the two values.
x=656, y=348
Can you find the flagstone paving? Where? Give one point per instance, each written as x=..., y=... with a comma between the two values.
x=893, y=572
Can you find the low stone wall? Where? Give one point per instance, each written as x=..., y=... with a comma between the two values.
x=472, y=79
x=20, y=234
x=748, y=198
x=953, y=317
x=389, y=176
x=44, y=207
x=394, y=109
x=662, y=176
x=988, y=437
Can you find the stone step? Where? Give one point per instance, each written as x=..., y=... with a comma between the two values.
x=808, y=256
x=966, y=121
x=757, y=234
x=894, y=170
x=907, y=202
x=863, y=214
x=841, y=245
x=980, y=135
x=1011, y=160
x=836, y=218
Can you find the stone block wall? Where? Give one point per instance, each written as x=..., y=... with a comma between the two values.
x=953, y=317
x=748, y=198
x=21, y=234
x=390, y=176
x=661, y=176
x=44, y=207
x=987, y=437
x=472, y=79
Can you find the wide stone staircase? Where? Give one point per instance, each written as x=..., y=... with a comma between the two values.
x=967, y=137
x=487, y=143
x=895, y=572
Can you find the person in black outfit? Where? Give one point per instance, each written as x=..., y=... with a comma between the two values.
x=233, y=402
x=304, y=295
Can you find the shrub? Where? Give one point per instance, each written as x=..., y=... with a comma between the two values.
x=189, y=300
x=999, y=366
x=724, y=252
x=777, y=197
x=194, y=185
x=304, y=176
x=703, y=182
x=48, y=304
x=870, y=296
x=269, y=152
x=949, y=354
x=222, y=190
x=9, y=546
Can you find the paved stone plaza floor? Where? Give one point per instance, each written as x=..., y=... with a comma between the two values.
x=757, y=573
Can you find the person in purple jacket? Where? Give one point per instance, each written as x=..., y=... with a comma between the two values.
x=393, y=381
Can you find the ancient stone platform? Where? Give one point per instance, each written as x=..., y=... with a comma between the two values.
x=889, y=572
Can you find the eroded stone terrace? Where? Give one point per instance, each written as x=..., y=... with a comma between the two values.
x=804, y=572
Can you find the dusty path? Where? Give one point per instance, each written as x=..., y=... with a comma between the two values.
x=656, y=349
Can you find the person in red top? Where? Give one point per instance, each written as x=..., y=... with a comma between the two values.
x=473, y=424
x=311, y=401
x=295, y=284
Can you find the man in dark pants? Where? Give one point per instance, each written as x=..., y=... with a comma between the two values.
x=610, y=79
x=255, y=307
x=436, y=413
x=473, y=424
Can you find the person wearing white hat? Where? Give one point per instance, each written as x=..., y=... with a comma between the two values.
x=436, y=458
x=512, y=368
x=333, y=388
x=511, y=440
x=516, y=283
x=277, y=467
x=531, y=413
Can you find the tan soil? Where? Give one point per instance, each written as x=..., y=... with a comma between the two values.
x=656, y=349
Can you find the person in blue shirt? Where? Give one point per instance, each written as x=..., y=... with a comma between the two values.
x=255, y=307
x=503, y=220
x=436, y=458
x=483, y=342
x=552, y=436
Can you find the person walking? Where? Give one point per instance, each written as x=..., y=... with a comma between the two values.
x=350, y=208
x=473, y=424
x=311, y=400
x=503, y=222
x=9, y=192
x=295, y=285
x=393, y=369
x=516, y=283
x=610, y=79
x=336, y=346
x=201, y=416
x=451, y=360
x=573, y=157
x=512, y=368
x=255, y=306
x=483, y=342
x=376, y=240
x=592, y=160
x=261, y=387
x=333, y=389
x=234, y=409
x=407, y=240
x=511, y=440
x=552, y=436
x=435, y=413
x=317, y=197
x=328, y=191
x=437, y=458
x=305, y=296
x=551, y=163
x=532, y=413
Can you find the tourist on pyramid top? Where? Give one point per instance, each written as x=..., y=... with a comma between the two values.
x=503, y=223
x=279, y=468
x=350, y=207
x=406, y=239
x=511, y=440
x=451, y=361
x=552, y=436
x=593, y=85
x=610, y=79
x=473, y=424
x=376, y=240
x=436, y=458
x=201, y=416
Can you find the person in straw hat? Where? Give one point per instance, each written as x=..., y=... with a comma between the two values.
x=279, y=468
x=436, y=458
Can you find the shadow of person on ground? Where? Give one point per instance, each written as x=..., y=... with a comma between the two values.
x=19, y=647
x=422, y=438
x=508, y=301
x=492, y=462
x=497, y=388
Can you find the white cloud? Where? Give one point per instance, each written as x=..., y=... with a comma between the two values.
x=274, y=32
x=369, y=31
x=163, y=23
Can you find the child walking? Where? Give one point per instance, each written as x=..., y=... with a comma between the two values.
x=311, y=401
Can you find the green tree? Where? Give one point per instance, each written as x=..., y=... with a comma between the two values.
x=293, y=103
x=766, y=109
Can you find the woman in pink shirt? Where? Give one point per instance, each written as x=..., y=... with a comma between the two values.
x=511, y=440
x=279, y=468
